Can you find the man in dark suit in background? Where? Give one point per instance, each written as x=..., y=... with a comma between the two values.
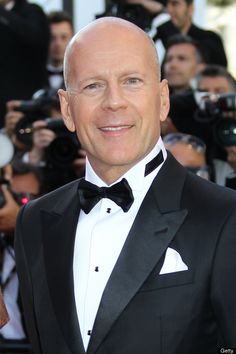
x=61, y=30
x=181, y=15
x=24, y=38
x=139, y=256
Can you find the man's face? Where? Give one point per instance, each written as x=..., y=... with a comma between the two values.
x=118, y=101
x=181, y=65
x=61, y=33
x=26, y=183
x=216, y=85
x=180, y=12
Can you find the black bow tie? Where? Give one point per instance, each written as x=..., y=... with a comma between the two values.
x=90, y=194
x=120, y=193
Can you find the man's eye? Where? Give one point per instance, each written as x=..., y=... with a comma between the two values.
x=182, y=58
x=133, y=81
x=93, y=86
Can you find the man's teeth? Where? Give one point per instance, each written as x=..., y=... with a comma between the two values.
x=112, y=129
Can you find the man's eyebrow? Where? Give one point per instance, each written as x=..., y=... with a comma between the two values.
x=102, y=77
x=89, y=78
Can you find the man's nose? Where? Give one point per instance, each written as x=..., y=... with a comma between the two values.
x=114, y=97
x=173, y=63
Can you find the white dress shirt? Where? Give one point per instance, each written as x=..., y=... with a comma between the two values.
x=222, y=171
x=100, y=236
x=56, y=78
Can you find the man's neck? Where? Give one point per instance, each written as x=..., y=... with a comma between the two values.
x=186, y=27
x=111, y=175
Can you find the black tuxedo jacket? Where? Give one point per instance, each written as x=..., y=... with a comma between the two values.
x=141, y=312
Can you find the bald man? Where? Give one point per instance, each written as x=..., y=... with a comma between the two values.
x=138, y=257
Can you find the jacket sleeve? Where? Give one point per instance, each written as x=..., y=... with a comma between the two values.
x=223, y=285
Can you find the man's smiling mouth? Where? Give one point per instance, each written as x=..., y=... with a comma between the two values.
x=115, y=128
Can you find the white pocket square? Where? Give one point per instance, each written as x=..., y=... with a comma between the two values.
x=173, y=262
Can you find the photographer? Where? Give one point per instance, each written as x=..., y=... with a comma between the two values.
x=12, y=117
x=140, y=12
x=24, y=184
x=24, y=38
x=43, y=102
x=185, y=107
x=221, y=84
x=50, y=146
x=42, y=137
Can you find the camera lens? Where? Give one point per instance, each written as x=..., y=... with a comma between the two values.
x=225, y=132
x=62, y=150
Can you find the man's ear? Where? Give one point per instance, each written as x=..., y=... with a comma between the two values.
x=165, y=100
x=191, y=10
x=65, y=110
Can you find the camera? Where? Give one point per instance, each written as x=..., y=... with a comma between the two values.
x=39, y=107
x=41, y=104
x=62, y=150
x=220, y=110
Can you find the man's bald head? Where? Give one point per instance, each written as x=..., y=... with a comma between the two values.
x=114, y=99
x=114, y=32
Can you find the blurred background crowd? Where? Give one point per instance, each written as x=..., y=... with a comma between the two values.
x=38, y=154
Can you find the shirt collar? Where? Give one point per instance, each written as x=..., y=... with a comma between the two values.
x=135, y=176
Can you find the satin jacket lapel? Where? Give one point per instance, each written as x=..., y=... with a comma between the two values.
x=59, y=227
x=156, y=224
